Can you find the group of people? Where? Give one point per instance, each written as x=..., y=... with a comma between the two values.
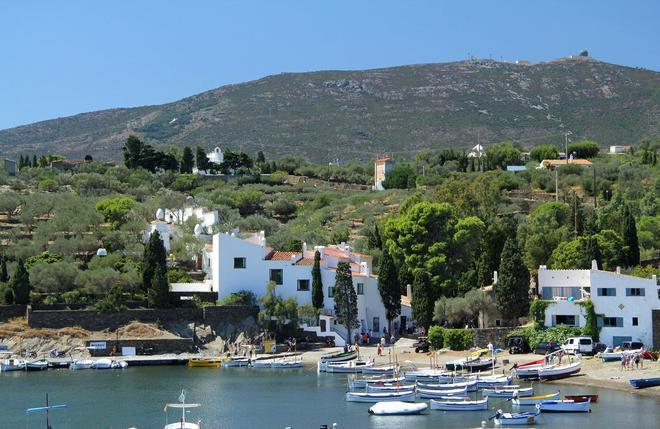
x=632, y=360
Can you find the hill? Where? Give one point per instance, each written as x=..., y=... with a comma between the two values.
x=358, y=114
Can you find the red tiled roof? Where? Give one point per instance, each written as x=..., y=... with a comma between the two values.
x=380, y=160
x=335, y=252
x=305, y=261
x=282, y=256
x=567, y=161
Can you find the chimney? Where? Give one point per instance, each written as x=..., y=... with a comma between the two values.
x=594, y=265
x=543, y=267
x=409, y=290
x=494, y=277
x=618, y=270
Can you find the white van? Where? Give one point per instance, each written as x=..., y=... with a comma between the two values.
x=581, y=345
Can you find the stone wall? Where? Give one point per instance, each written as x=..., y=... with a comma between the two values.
x=11, y=311
x=496, y=336
x=228, y=321
x=656, y=329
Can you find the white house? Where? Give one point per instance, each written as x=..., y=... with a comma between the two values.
x=216, y=156
x=245, y=262
x=382, y=166
x=623, y=303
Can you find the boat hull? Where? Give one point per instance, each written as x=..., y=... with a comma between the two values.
x=565, y=406
x=582, y=398
x=380, y=397
x=516, y=419
x=471, y=386
x=36, y=366
x=534, y=400
x=459, y=405
x=642, y=383
x=439, y=394
x=559, y=372
x=398, y=408
x=508, y=393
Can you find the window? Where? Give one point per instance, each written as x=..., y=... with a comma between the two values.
x=375, y=326
x=606, y=291
x=239, y=263
x=276, y=276
x=360, y=288
x=634, y=291
x=612, y=322
x=331, y=292
x=303, y=284
x=635, y=321
x=561, y=292
x=562, y=319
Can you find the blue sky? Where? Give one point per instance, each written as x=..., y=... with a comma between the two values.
x=59, y=58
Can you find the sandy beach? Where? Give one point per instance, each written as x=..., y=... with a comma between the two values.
x=608, y=375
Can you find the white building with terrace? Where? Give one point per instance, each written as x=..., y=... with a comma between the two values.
x=245, y=262
x=624, y=304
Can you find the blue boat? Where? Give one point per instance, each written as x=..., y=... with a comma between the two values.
x=642, y=383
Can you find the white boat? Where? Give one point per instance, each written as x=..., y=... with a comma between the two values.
x=235, y=362
x=339, y=356
x=396, y=408
x=533, y=400
x=609, y=355
x=561, y=371
x=361, y=383
x=103, y=363
x=285, y=364
x=182, y=423
x=81, y=364
x=508, y=393
x=511, y=419
x=119, y=364
x=404, y=396
x=350, y=367
x=491, y=381
x=565, y=406
x=437, y=394
x=471, y=386
x=12, y=364
x=262, y=363
x=37, y=365
x=481, y=404
x=381, y=369
x=432, y=375
x=389, y=387
x=531, y=371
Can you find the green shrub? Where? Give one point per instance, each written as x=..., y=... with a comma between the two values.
x=242, y=297
x=436, y=337
x=556, y=334
x=458, y=339
x=75, y=297
x=537, y=312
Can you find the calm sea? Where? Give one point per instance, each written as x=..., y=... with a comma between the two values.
x=258, y=398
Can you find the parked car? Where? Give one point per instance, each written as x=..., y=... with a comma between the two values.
x=543, y=348
x=518, y=344
x=581, y=345
x=422, y=345
x=631, y=345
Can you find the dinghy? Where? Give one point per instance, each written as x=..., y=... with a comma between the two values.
x=460, y=405
x=471, y=386
x=533, y=400
x=511, y=419
x=396, y=408
x=643, y=383
x=405, y=396
x=437, y=394
x=565, y=406
x=530, y=372
x=429, y=375
x=507, y=393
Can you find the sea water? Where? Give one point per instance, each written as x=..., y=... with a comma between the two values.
x=235, y=398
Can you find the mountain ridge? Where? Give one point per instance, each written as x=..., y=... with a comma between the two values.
x=357, y=114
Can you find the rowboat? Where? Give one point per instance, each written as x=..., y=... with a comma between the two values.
x=339, y=356
x=404, y=396
x=396, y=408
x=205, y=362
x=181, y=405
x=437, y=394
x=493, y=381
x=361, y=383
x=558, y=372
x=533, y=400
x=235, y=362
x=642, y=383
x=459, y=405
x=510, y=419
x=37, y=365
x=393, y=387
x=565, y=406
x=81, y=364
x=471, y=386
x=350, y=367
x=507, y=393
x=582, y=398
x=102, y=364
x=380, y=370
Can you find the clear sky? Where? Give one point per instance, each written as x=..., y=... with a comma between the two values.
x=58, y=57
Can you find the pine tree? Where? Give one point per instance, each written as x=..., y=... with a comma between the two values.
x=630, y=241
x=422, y=299
x=34, y=161
x=512, y=287
x=345, y=297
x=158, y=294
x=4, y=274
x=388, y=286
x=261, y=158
x=20, y=284
x=405, y=278
x=317, y=283
x=21, y=162
x=187, y=161
x=154, y=256
x=592, y=252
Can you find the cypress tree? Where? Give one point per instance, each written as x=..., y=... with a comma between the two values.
x=405, y=278
x=422, y=299
x=261, y=158
x=20, y=284
x=154, y=256
x=630, y=241
x=158, y=294
x=345, y=297
x=512, y=287
x=187, y=161
x=202, y=159
x=317, y=283
x=34, y=161
x=388, y=286
x=592, y=252
x=4, y=275
x=577, y=215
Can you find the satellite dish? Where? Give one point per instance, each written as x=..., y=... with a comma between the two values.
x=101, y=252
x=160, y=214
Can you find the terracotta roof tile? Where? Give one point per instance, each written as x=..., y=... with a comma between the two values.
x=282, y=256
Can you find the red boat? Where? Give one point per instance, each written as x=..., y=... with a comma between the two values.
x=582, y=398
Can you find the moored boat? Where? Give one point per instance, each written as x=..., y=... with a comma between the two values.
x=81, y=364
x=493, y=381
x=350, y=367
x=533, y=400
x=582, y=398
x=119, y=364
x=380, y=369
x=235, y=362
x=511, y=419
x=471, y=386
x=481, y=404
x=508, y=393
x=37, y=365
x=361, y=383
x=339, y=356
x=395, y=408
x=286, y=364
x=561, y=371
x=390, y=387
x=205, y=362
x=642, y=383
x=12, y=364
x=102, y=364
x=404, y=396
x=531, y=371
x=565, y=406
x=438, y=394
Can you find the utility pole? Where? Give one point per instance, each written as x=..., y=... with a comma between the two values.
x=594, y=186
x=556, y=185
